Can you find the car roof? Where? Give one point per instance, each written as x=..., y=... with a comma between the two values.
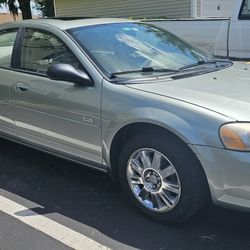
x=66, y=23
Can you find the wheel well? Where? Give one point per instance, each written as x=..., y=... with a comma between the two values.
x=132, y=129
x=126, y=132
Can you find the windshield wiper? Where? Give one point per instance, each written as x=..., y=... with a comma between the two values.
x=142, y=70
x=202, y=62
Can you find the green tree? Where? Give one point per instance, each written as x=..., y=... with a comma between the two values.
x=46, y=7
x=23, y=5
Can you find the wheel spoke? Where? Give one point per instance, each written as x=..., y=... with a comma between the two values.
x=165, y=199
x=144, y=194
x=136, y=166
x=171, y=187
x=145, y=159
x=156, y=201
x=168, y=171
x=156, y=163
x=136, y=180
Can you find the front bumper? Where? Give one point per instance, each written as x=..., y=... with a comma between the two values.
x=228, y=175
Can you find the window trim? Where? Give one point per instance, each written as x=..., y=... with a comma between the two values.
x=12, y=58
x=16, y=55
x=243, y=17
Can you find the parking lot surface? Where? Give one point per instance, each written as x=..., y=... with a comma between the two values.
x=89, y=206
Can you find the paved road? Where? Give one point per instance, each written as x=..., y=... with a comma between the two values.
x=89, y=203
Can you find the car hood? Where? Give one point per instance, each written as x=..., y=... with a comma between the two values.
x=226, y=91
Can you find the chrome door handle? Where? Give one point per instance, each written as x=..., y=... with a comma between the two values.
x=22, y=87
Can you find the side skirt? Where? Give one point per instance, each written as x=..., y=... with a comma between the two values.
x=51, y=151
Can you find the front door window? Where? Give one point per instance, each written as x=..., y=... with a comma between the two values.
x=42, y=49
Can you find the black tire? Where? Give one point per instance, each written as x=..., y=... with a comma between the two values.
x=194, y=187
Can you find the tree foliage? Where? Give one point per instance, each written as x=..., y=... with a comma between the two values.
x=46, y=7
x=15, y=5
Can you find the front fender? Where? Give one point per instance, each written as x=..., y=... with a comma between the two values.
x=153, y=116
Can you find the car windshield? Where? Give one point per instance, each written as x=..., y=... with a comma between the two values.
x=136, y=48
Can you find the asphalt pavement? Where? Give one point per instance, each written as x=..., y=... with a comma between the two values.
x=89, y=203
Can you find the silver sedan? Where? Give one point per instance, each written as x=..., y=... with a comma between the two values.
x=167, y=120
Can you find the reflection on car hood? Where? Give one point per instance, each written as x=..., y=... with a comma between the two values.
x=226, y=91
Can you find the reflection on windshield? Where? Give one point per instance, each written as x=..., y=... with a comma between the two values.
x=155, y=57
x=124, y=47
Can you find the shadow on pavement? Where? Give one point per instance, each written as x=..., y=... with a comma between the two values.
x=90, y=198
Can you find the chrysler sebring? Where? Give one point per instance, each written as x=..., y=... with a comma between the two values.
x=168, y=121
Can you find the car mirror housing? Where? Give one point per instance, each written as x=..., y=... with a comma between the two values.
x=67, y=73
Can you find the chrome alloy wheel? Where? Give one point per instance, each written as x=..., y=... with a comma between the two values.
x=153, y=180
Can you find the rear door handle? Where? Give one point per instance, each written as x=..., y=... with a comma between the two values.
x=22, y=87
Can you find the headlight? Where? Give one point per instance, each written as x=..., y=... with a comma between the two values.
x=236, y=136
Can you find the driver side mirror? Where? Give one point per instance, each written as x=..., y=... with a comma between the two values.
x=67, y=73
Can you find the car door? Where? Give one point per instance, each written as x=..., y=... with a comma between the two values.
x=59, y=116
x=7, y=40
